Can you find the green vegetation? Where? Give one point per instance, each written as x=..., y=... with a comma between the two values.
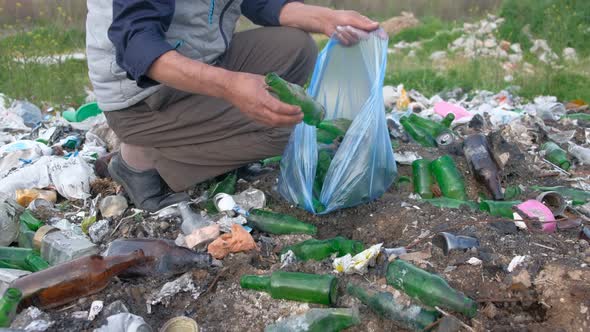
x=60, y=84
x=563, y=23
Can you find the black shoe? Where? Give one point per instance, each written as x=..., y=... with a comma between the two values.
x=146, y=189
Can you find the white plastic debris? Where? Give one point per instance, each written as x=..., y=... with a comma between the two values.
x=225, y=222
x=32, y=319
x=406, y=157
x=30, y=113
x=95, y=309
x=250, y=198
x=71, y=177
x=581, y=153
x=98, y=230
x=9, y=222
x=474, y=261
x=359, y=263
x=7, y=276
x=125, y=322
x=165, y=295
x=516, y=261
x=21, y=153
x=80, y=314
x=288, y=258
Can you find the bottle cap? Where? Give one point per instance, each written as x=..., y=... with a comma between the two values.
x=180, y=324
x=40, y=234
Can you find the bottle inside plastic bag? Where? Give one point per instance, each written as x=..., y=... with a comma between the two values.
x=363, y=166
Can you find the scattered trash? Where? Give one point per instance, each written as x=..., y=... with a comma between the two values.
x=202, y=236
x=516, y=261
x=406, y=158
x=164, y=257
x=296, y=286
x=74, y=279
x=449, y=242
x=385, y=305
x=99, y=230
x=474, y=261
x=9, y=303
x=275, y=223
x=165, y=295
x=113, y=206
x=428, y=288
x=125, y=322
x=537, y=211
x=180, y=324
x=58, y=246
x=554, y=201
x=251, y=198
x=32, y=319
x=359, y=263
x=95, y=309
x=327, y=320
x=9, y=220
x=321, y=249
x=238, y=240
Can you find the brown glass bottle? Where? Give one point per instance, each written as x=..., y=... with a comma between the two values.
x=479, y=156
x=72, y=280
x=166, y=257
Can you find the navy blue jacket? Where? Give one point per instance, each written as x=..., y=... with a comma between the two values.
x=141, y=22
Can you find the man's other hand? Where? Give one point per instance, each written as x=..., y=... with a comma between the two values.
x=344, y=23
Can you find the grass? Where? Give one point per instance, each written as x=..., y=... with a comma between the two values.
x=564, y=23
x=60, y=84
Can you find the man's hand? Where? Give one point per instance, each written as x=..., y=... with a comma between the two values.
x=328, y=21
x=248, y=92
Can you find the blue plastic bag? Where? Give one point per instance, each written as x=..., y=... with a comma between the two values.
x=348, y=81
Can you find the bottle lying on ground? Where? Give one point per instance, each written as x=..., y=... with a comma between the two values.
x=448, y=177
x=422, y=178
x=8, y=305
x=21, y=259
x=165, y=257
x=556, y=155
x=276, y=223
x=296, y=286
x=385, y=305
x=479, y=156
x=318, y=320
x=293, y=94
x=428, y=288
x=321, y=249
x=72, y=280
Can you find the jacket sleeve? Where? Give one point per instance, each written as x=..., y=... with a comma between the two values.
x=264, y=12
x=138, y=34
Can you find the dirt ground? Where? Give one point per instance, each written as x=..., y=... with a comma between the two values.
x=550, y=291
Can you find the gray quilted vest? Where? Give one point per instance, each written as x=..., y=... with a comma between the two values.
x=197, y=33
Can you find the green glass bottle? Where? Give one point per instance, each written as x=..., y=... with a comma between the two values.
x=8, y=305
x=499, y=208
x=577, y=196
x=428, y=288
x=227, y=186
x=439, y=131
x=296, y=286
x=25, y=236
x=578, y=116
x=448, y=177
x=293, y=94
x=29, y=219
x=22, y=259
x=322, y=249
x=385, y=305
x=556, y=155
x=422, y=178
x=318, y=320
x=329, y=130
x=323, y=165
x=276, y=223
x=419, y=135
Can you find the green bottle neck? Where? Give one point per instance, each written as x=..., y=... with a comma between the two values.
x=12, y=296
x=259, y=283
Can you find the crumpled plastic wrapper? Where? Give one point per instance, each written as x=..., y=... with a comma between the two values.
x=166, y=293
x=226, y=222
x=238, y=240
x=359, y=263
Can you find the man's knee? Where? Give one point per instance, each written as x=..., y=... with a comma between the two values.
x=299, y=45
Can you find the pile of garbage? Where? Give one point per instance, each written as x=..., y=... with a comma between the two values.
x=479, y=40
x=492, y=189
